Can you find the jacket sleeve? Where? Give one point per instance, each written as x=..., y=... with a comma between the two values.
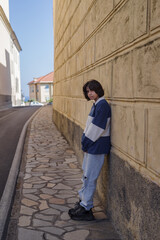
x=96, y=127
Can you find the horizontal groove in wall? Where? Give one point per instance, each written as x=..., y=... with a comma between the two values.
x=147, y=172
x=67, y=24
x=101, y=25
x=155, y=30
x=63, y=16
x=133, y=100
x=139, y=42
x=118, y=100
x=76, y=28
x=71, y=119
x=115, y=8
x=128, y=155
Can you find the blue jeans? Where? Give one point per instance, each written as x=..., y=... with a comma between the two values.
x=92, y=165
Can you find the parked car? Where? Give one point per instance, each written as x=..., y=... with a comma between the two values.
x=36, y=103
x=49, y=103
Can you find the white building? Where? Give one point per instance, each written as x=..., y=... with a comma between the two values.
x=10, y=86
x=41, y=89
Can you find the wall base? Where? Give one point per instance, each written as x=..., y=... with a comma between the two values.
x=133, y=202
x=71, y=131
x=5, y=101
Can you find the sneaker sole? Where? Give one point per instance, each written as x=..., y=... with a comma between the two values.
x=81, y=218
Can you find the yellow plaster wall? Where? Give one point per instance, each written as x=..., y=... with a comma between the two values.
x=118, y=43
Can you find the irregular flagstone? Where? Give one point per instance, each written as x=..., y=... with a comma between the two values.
x=28, y=191
x=72, y=177
x=32, y=165
x=28, y=170
x=70, y=160
x=72, y=200
x=53, y=230
x=26, y=210
x=38, y=185
x=43, y=205
x=27, y=185
x=67, y=192
x=50, y=237
x=73, y=172
x=40, y=223
x=50, y=185
x=39, y=182
x=51, y=180
x=62, y=224
x=27, y=176
x=69, y=229
x=45, y=196
x=56, y=181
x=69, y=151
x=24, y=221
x=72, y=183
x=62, y=186
x=48, y=191
x=42, y=169
x=77, y=187
x=43, y=160
x=50, y=211
x=33, y=179
x=27, y=234
x=43, y=166
x=31, y=196
x=47, y=178
x=73, y=166
x=57, y=201
x=36, y=174
x=58, y=207
x=79, y=234
x=43, y=217
x=29, y=202
x=64, y=196
x=65, y=216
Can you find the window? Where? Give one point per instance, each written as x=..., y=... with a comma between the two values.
x=17, y=85
x=32, y=88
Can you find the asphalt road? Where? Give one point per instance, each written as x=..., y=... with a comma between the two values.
x=11, y=125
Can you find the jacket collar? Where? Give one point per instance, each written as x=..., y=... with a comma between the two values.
x=99, y=99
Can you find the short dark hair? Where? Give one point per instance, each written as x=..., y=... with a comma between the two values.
x=93, y=85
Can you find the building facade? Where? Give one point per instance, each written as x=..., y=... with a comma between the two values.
x=118, y=43
x=41, y=89
x=10, y=85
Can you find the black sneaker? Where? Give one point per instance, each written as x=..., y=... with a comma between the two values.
x=76, y=206
x=81, y=214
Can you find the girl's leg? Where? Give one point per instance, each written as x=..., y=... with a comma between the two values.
x=92, y=165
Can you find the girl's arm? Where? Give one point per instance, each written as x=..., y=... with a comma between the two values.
x=98, y=127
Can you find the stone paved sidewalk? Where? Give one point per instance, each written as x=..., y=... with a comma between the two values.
x=47, y=187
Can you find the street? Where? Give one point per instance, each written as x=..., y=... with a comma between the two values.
x=11, y=125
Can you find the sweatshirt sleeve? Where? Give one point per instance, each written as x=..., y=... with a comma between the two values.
x=97, y=127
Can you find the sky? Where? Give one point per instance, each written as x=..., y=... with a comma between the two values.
x=32, y=22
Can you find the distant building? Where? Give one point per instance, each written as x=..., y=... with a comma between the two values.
x=41, y=89
x=10, y=85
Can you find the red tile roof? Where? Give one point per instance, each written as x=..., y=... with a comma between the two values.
x=44, y=79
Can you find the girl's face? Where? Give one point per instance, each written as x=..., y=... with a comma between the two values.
x=92, y=94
